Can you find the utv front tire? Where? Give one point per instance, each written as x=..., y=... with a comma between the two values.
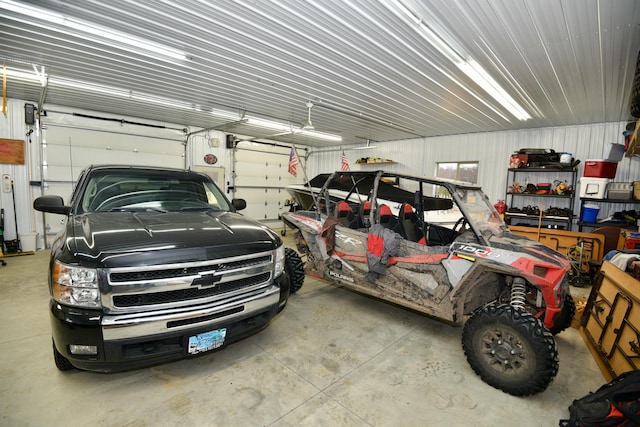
x=294, y=267
x=62, y=362
x=564, y=319
x=510, y=349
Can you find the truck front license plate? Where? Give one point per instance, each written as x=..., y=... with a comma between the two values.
x=207, y=341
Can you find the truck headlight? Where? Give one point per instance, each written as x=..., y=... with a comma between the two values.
x=75, y=285
x=279, y=261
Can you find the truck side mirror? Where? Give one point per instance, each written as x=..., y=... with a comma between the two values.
x=51, y=204
x=239, y=204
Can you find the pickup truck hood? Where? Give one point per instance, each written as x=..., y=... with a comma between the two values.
x=133, y=238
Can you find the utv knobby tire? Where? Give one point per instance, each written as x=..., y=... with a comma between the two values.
x=510, y=349
x=294, y=267
x=564, y=319
x=62, y=362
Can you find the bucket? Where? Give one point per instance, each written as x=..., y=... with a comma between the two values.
x=590, y=213
x=565, y=158
x=28, y=242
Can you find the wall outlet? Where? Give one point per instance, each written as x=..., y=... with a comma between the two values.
x=6, y=183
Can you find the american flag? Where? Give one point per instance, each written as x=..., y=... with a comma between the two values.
x=293, y=162
x=345, y=163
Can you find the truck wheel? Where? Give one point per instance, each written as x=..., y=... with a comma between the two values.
x=62, y=362
x=564, y=319
x=510, y=349
x=294, y=267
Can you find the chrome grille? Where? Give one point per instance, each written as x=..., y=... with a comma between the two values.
x=130, y=276
x=187, y=294
x=186, y=284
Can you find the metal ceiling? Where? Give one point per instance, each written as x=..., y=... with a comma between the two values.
x=369, y=72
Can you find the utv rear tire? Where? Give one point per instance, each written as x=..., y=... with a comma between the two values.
x=564, y=319
x=62, y=362
x=294, y=267
x=510, y=349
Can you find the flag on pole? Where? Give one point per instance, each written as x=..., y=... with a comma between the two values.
x=345, y=163
x=293, y=162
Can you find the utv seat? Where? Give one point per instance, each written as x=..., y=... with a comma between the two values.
x=411, y=224
x=388, y=220
x=345, y=215
x=365, y=212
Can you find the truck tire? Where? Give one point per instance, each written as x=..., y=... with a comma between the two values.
x=510, y=349
x=563, y=321
x=62, y=362
x=294, y=267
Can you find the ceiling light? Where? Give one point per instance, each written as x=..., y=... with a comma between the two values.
x=479, y=75
x=269, y=124
x=83, y=28
x=464, y=62
x=24, y=75
x=91, y=87
x=320, y=135
x=162, y=101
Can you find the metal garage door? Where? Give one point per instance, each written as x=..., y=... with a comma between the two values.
x=261, y=175
x=71, y=143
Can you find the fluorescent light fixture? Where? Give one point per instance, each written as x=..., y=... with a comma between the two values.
x=284, y=127
x=145, y=47
x=466, y=64
x=479, y=75
x=320, y=135
x=269, y=124
x=162, y=101
x=23, y=75
x=91, y=87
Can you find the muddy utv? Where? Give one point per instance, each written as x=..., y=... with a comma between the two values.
x=439, y=247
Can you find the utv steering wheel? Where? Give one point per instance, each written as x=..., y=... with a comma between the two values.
x=458, y=227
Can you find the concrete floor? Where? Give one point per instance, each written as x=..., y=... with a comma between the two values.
x=331, y=358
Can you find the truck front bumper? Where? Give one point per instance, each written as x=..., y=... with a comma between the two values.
x=130, y=341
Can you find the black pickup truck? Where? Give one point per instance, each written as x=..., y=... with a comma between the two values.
x=153, y=265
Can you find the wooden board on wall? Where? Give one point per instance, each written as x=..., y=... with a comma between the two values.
x=12, y=151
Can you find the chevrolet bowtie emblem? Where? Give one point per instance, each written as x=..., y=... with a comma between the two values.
x=206, y=280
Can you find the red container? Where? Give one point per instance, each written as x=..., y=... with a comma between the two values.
x=600, y=169
x=633, y=241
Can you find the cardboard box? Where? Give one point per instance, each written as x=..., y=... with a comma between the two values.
x=593, y=188
x=600, y=169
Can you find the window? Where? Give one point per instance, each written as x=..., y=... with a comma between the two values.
x=461, y=171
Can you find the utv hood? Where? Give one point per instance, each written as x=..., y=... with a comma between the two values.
x=111, y=239
x=529, y=248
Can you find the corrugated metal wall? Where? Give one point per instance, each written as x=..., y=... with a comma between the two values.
x=492, y=150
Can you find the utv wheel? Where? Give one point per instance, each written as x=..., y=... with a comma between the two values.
x=62, y=362
x=564, y=319
x=510, y=349
x=294, y=267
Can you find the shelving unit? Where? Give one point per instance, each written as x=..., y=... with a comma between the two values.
x=585, y=200
x=566, y=201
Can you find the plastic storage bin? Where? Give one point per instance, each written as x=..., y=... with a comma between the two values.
x=590, y=213
x=593, y=188
x=620, y=190
x=600, y=169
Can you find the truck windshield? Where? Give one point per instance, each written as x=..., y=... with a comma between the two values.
x=130, y=191
x=480, y=213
